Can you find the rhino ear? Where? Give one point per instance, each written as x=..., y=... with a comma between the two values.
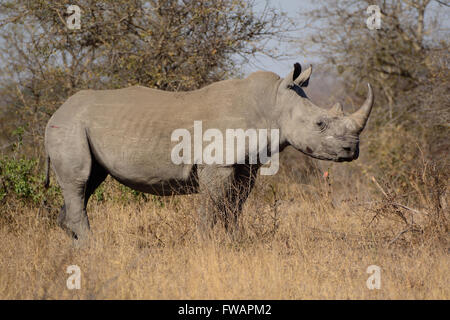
x=303, y=79
x=289, y=81
x=297, y=71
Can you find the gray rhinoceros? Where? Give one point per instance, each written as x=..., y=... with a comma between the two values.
x=127, y=133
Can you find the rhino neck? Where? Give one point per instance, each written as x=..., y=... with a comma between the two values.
x=260, y=102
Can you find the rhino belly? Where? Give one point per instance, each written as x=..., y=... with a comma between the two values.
x=143, y=164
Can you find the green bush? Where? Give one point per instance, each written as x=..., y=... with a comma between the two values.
x=19, y=179
x=22, y=179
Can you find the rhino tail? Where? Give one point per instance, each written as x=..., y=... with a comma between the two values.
x=47, y=171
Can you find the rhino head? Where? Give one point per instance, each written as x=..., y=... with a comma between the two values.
x=319, y=133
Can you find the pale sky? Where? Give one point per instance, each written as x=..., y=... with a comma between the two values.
x=294, y=8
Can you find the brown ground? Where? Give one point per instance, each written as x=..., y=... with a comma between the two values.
x=316, y=244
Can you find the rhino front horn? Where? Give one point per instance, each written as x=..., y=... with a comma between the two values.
x=362, y=114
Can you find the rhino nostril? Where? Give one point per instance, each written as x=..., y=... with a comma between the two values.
x=347, y=149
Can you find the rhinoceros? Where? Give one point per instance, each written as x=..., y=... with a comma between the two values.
x=126, y=133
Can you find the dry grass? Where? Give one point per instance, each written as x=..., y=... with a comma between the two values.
x=308, y=246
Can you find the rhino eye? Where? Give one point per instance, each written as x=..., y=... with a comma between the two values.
x=321, y=125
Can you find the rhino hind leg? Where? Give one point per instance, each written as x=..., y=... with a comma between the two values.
x=62, y=218
x=72, y=163
x=97, y=176
x=73, y=217
x=69, y=223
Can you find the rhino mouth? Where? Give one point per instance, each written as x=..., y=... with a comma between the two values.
x=332, y=156
x=344, y=159
x=347, y=158
x=311, y=154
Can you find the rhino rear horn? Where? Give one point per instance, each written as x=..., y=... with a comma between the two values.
x=337, y=109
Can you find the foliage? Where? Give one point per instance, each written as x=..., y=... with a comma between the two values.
x=407, y=63
x=18, y=177
x=166, y=44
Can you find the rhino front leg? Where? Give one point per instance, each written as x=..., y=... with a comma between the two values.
x=213, y=182
x=224, y=191
x=244, y=177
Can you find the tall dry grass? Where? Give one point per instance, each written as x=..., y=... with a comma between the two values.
x=298, y=240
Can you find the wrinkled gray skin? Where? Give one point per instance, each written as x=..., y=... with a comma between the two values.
x=127, y=133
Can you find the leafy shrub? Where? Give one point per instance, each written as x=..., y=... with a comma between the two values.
x=21, y=178
x=17, y=177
